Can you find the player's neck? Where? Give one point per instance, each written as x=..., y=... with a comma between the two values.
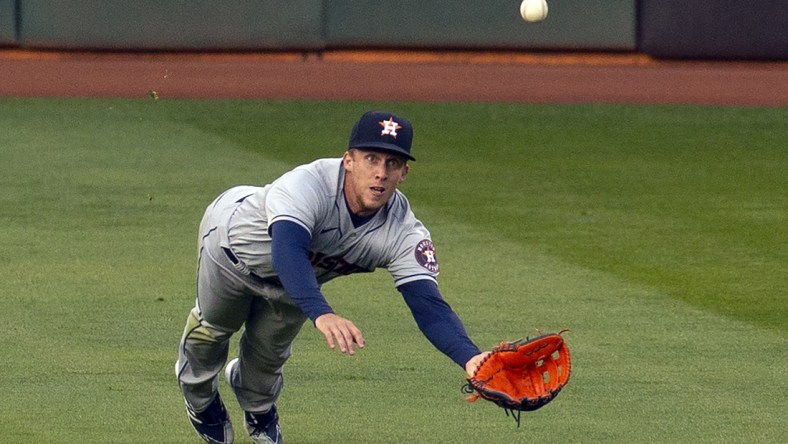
x=357, y=220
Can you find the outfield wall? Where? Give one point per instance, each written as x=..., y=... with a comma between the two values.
x=719, y=29
x=8, y=21
x=663, y=28
x=321, y=24
x=481, y=24
x=170, y=24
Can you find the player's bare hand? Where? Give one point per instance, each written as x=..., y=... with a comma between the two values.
x=474, y=362
x=340, y=332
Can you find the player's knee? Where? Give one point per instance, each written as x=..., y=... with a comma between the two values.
x=201, y=331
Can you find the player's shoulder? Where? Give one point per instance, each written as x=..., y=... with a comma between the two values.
x=401, y=215
x=318, y=172
x=320, y=167
x=399, y=207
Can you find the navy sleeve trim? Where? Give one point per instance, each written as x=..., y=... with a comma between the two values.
x=437, y=321
x=290, y=256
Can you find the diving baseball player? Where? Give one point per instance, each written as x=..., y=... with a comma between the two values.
x=264, y=253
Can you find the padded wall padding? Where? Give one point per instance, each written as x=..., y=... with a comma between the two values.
x=171, y=24
x=8, y=23
x=714, y=29
x=318, y=24
x=476, y=24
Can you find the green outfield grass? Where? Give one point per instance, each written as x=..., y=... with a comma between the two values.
x=658, y=234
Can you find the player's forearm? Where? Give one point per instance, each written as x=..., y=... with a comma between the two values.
x=451, y=339
x=290, y=256
x=438, y=322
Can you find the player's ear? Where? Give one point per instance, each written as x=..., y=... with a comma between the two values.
x=405, y=170
x=347, y=159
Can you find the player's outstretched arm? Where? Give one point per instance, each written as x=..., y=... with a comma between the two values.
x=290, y=259
x=290, y=252
x=340, y=331
x=438, y=322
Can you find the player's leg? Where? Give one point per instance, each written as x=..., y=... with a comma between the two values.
x=203, y=346
x=264, y=347
x=220, y=310
x=203, y=350
x=256, y=377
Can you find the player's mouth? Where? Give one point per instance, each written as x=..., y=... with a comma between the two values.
x=377, y=191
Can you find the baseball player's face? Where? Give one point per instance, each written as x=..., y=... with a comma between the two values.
x=371, y=177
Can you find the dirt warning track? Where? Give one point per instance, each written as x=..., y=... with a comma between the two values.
x=395, y=76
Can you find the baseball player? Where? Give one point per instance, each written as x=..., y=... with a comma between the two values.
x=264, y=253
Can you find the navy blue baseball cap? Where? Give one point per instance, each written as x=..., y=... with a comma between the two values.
x=382, y=131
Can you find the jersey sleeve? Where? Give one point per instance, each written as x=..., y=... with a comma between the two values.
x=438, y=322
x=290, y=255
x=298, y=196
x=414, y=258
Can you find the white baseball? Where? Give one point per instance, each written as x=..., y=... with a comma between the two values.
x=533, y=10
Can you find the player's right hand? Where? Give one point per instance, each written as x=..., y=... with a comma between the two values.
x=473, y=363
x=340, y=331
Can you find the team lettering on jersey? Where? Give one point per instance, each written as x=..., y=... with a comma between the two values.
x=334, y=263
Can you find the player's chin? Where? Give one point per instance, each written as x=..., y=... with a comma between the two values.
x=375, y=201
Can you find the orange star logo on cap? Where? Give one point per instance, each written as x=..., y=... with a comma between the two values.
x=390, y=127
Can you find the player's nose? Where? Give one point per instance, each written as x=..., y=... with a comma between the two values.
x=381, y=172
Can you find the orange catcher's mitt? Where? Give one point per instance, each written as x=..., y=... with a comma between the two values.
x=522, y=376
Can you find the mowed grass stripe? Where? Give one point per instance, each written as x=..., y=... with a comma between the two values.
x=102, y=198
x=647, y=368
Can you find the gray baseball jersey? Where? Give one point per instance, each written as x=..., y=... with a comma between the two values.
x=311, y=196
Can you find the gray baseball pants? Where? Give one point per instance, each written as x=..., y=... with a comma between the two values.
x=229, y=297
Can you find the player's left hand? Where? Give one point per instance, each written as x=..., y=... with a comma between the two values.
x=474, y=362
x=340, y=331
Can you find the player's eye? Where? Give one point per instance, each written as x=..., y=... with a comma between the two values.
x=394, y=163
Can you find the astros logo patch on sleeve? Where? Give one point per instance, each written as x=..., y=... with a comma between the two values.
x=425, y=255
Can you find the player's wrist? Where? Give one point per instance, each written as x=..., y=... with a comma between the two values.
x=473, y=363
x=320, y=314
